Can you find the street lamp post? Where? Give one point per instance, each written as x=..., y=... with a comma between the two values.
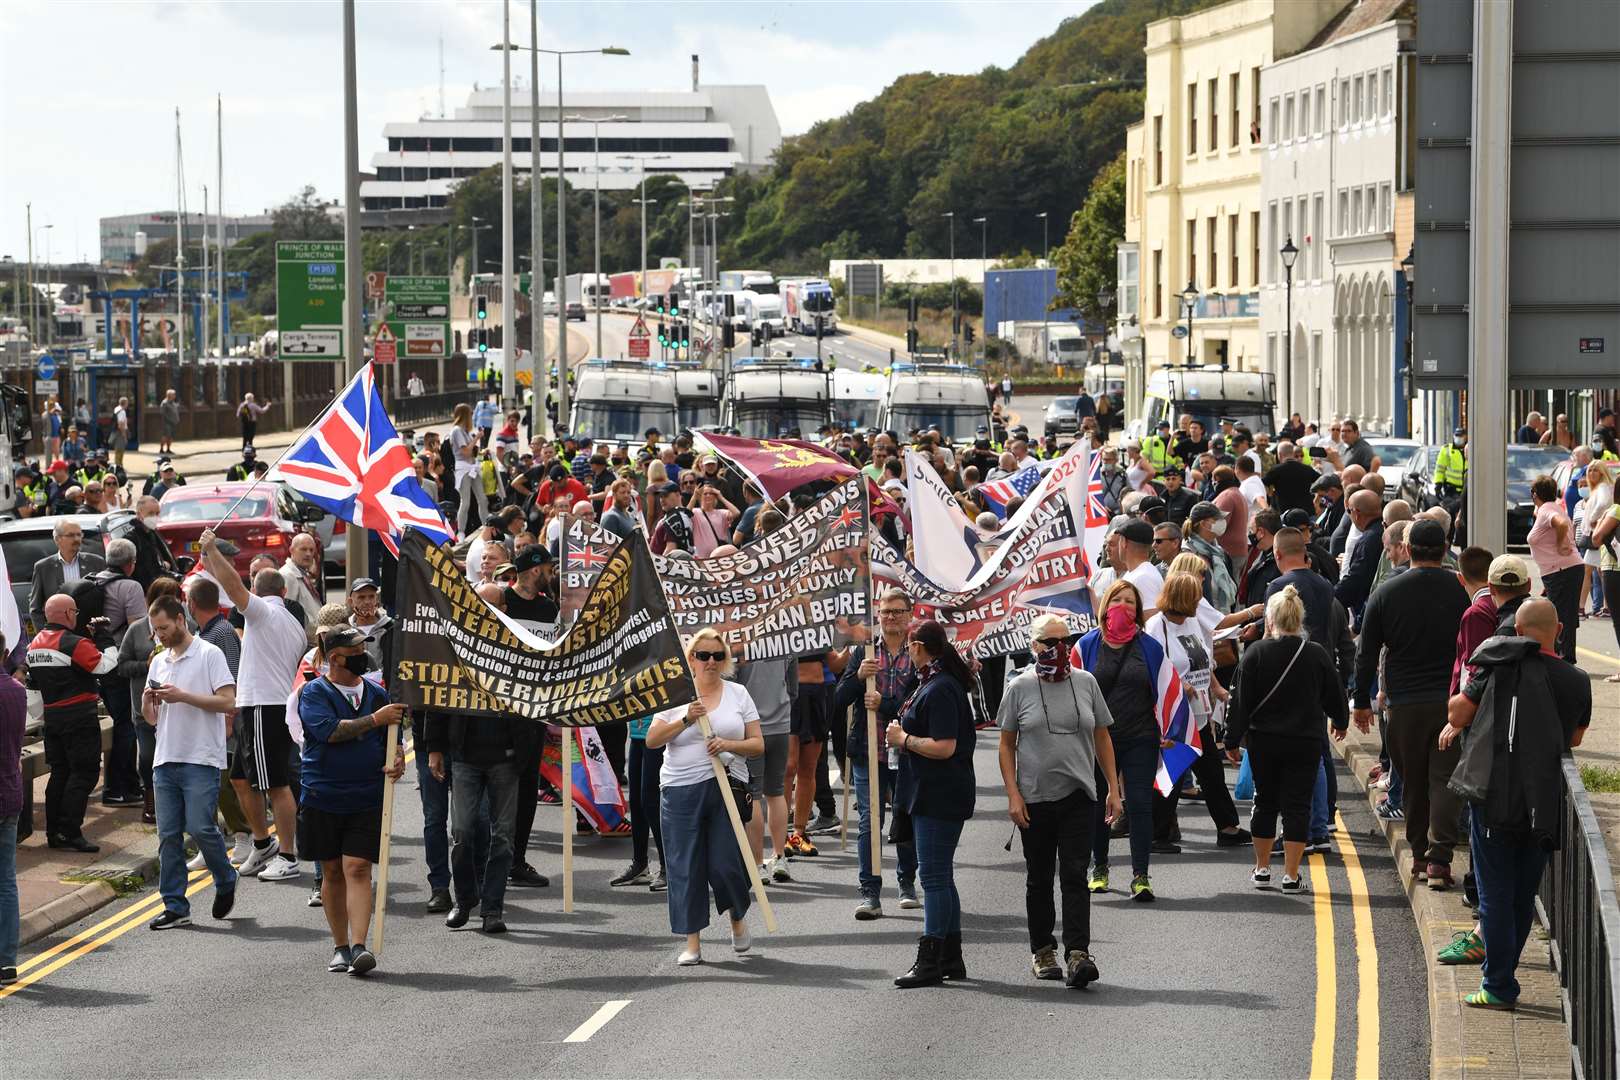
x=1046, y=346
x=477, y=226
x=950, y=215
x=1189, y=300
x=596, y=201
x=1289, y=253
x=1105, y=301
x=641, y=283
x=984, y=227
x=1408, y=383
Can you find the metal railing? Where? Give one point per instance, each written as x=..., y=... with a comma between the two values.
x=412, y=411
x=1578, y=905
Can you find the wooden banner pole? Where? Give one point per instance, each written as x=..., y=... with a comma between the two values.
x=873, y=764
x=379, y=907
x=568, y=817
x=843, y=825
x=744, y=848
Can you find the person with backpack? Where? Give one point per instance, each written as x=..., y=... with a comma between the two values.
x=1510, y=774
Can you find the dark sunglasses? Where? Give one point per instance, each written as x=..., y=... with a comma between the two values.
x=703, y=654
x=1049, y=642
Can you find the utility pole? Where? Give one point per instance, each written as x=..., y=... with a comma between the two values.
x=562, y=265
x=508, y=295
x=1046, y=264
x=353, y=272
x=956, y=319
x=540, y=379
x=219, y=221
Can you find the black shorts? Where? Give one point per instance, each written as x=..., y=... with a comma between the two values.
x=263, y=747
x=324, y=835
x=810, y=713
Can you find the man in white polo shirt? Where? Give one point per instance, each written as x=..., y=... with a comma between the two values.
x=189, y=696
x=273, y=643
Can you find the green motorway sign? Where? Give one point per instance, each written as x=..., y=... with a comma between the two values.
x=418, y=312
x=309, y=299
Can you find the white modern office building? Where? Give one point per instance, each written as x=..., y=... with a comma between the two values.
x=700, y=135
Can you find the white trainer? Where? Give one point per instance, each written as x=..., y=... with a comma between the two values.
x=259, y=858
x=281, y=869
x=243, y=848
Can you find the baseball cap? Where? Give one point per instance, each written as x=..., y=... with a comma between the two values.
x=1327, y=482
x=1137, y=532
x=669, y=487
x=1296, y=519
x=58, y=464
x=341, y=637
x=1151, y=502
x=167, y=466
x=248, y=451
x=530, y=557
x=361, y=583
x=1426, y=533
x=1203, y=511
x=1162, y=424
x=1508, y=570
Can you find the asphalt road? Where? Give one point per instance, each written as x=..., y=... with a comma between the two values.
x=1215, y=979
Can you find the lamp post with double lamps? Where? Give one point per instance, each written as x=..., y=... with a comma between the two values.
x=596, y=200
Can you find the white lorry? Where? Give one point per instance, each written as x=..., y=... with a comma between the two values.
x=806, y=299
x=760, y=310
x=1048, y=342
x=620, y=399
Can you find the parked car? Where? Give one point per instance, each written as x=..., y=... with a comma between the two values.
x=576, y=311
x=264, y=523
x=1524, y=464
x=27, y=540
x=1393, y=457
x=1063, y=417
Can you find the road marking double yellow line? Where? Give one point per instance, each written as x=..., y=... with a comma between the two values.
x=1366, y=949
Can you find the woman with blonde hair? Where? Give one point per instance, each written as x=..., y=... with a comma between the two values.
x=700, y=852
x=1286, y=684
x=1589, y=512
x=468, y=483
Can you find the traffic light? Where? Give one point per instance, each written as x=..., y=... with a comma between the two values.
x=686, y=335
x=728, y=336
x=967, y=333
x=663, y=336
x=483, y=342
x=911, y=339
x=911, y=309
x=674, y=304
x=482, y=304
x=956, y=323
x=659, y=307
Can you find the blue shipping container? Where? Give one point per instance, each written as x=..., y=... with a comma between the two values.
x=1022, y=296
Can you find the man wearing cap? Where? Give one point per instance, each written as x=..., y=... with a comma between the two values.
x=164, y=479
x=366, y=615
x=674, y=529
x=1178, y=501
x=243, y=470
x=1451, y=469
x=33, y=498
x=1316, y=555
x=1416, y=617
x=531, y=601
x=57, y=487
x=1136, y=563
x=1205, y=526
x=1327, y=503
x=559, y=484
x=1150, y=508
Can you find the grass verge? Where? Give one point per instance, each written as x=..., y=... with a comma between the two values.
x=1603, y=778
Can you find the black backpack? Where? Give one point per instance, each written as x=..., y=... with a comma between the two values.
x=90, y=596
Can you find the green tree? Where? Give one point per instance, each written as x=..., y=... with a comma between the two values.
x=305, y=217
x=1087, y=259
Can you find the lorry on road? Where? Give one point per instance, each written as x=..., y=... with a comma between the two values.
x=759, y=281
x=771, y=397
x=756, y=311
x=1207, y=393
x=858, y=398
x=949, y=395
x=803, y=299
x=1048, y=342
x=619, y=400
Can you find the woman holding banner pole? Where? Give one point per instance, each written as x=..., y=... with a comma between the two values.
x=934, y=736
x=700, y=851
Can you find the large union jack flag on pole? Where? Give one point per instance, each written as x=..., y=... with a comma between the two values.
x=352, y=463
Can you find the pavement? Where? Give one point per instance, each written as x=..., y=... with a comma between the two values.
x=1216, y=979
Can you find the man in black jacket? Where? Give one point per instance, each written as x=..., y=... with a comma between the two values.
x=1520, y=818
x=1415, y=617
x=483, y=752
x=1361, y=561
x=1321, y=562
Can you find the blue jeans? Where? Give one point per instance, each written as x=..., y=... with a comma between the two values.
x=435, y=795
x=936, y=840
x=185, y=796
x=1321, y=820
x=1507, y=869
x=8, y=891
x=472, y=788
x=700, y=855
x=905, y=854
x=1396, y=788
x=1138, y=763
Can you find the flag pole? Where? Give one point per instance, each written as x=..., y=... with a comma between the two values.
x=568, y=817
x=380, y=906
x=743, y=846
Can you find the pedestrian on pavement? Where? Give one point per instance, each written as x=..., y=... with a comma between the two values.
x=248, y=413
x=1606, y=538
x=1126, y=665
x=935, y=790
x=1518, y=819
x=888, y=661
x=272, y=645
x=1552, y=545
x=1007, y=388
x=471, y=503
x=1054, y=740
x=66, y=668
x=13, y=721
x=169, y=414
x=190, y=694
x=1416, y=617
x=134, y=659
x=699, y=848
x=118, y=439
x=414, y=386
x=1286, y=685
x=346, y=721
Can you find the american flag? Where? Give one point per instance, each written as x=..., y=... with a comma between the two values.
x=998, y=493
x=352, y=464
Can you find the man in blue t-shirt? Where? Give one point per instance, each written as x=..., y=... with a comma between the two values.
x=346, y=723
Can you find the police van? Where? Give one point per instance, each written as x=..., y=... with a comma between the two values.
x=1207, y=393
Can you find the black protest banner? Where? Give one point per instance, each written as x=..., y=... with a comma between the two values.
x=620, y=659
x=802, y=589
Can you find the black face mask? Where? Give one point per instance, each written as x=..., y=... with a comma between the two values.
x=358, y=664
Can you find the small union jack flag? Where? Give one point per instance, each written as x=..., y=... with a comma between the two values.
x=352, y=463
x=998, y=493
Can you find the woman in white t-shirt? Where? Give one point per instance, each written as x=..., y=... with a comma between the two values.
x=469, y=487
x=700, y=850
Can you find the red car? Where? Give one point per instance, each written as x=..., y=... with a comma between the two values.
x=263, y=524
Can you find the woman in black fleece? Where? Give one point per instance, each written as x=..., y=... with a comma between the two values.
x=1286, y=683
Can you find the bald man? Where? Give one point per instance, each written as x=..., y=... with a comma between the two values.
x=66, y=668
x=1362, y=552
x=1515, y=825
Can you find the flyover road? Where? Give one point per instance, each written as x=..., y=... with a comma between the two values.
x=1215, y=979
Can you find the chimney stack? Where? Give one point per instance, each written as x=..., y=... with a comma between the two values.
x=694, y=72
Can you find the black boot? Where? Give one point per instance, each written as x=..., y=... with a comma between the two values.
x=925, y=971
x=951, y=964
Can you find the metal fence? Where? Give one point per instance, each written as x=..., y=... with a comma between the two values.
x=1578, y=905
x=412, y=411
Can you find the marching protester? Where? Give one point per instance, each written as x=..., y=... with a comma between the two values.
x=65, y=667
x=189, y=697
x=346, y=721
x=772, y=684
x=935, y=790
x=531, y=601
x=700, y=853
x=1286, y=685
x=1053, y=745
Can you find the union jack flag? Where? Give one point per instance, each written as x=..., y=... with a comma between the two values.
x=1179, y=741
x=998, y=493
x=352, y=464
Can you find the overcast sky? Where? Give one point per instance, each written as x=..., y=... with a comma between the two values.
x=88, y=89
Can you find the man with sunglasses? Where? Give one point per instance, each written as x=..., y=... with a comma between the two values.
x=889, y=662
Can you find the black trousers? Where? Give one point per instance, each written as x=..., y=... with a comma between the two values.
x=1563, y=588
x=1433, y=810
x=832, y=748
x=1211, y=776
x=1058, y=838
x=614, y=739
x=73, y=751
x=1284, y=779
x=528, y=797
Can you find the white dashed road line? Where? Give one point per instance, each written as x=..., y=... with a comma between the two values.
x=597, y=1022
